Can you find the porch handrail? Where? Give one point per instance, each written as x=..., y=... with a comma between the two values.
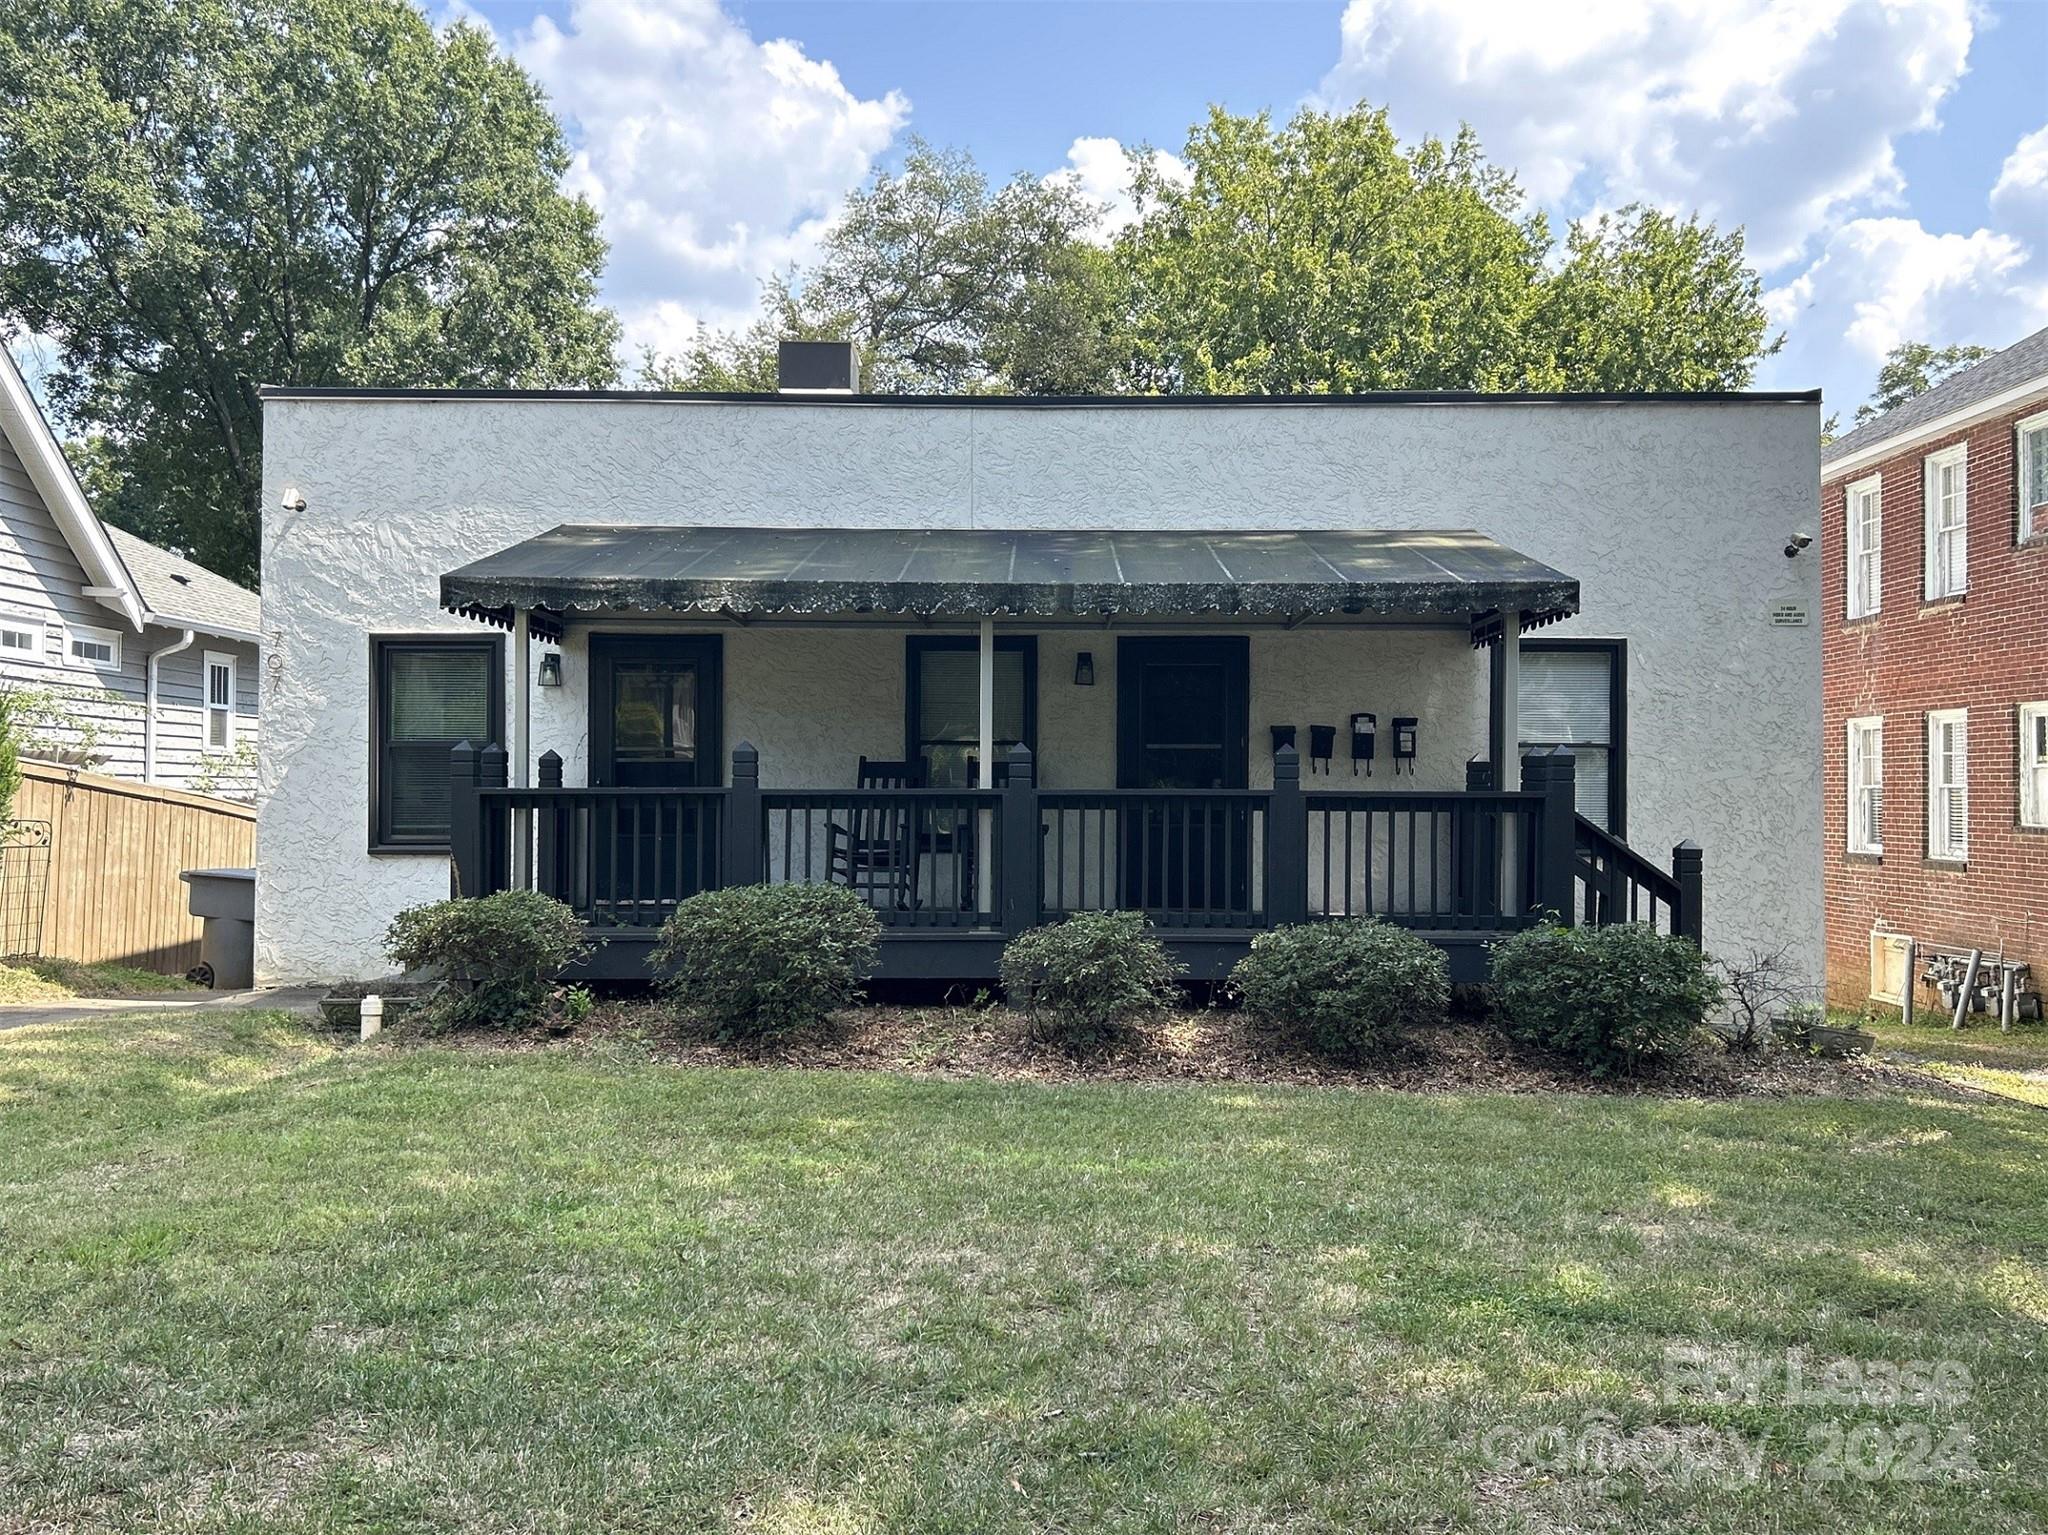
x=1488, y=858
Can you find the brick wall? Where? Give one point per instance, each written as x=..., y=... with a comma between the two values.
x=1986, y=651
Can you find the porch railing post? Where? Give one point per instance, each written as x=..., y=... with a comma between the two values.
x=1688, y=867
x=1478, y=866
x=1017, y=864
x=493, y=771
x=740, y=842
x=1553, y=772
x=465, y=831
x=1286, y=843
x=547, y=833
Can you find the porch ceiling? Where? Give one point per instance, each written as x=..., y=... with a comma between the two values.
x=971, y=572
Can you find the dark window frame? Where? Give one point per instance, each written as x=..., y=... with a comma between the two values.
x=1617, y=721
x=916, y=646
x=382, y=645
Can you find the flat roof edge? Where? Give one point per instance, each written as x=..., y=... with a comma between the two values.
x=1056, y=401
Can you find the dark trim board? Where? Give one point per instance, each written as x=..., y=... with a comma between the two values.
x=1617, y=721
x=914, y=648
x=906, y=956
x=1063, y=402
x=706, y=651
x=494, y=646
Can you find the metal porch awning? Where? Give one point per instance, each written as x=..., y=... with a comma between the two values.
x=974, y=572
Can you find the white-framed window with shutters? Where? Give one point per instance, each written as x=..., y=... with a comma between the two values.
x=1866, y=546
x=2034, y=764
x=1866, y=785
x=2031, y=451
x=1573, y=694
x=21, y=637
x=1948, y=784
x=1948, y=522
x=220, y=701
x=86, y=645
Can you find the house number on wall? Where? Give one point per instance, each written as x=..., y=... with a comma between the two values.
x=1788, y=615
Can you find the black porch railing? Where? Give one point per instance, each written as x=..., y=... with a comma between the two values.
x=997, y=861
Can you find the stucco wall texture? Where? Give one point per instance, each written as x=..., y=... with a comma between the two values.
x=1673, y=516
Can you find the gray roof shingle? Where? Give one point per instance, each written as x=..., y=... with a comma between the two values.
x=2014, y=367
x=179, y=590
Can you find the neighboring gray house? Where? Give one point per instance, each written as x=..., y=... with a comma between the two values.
x=133, y=662
x=724, y=639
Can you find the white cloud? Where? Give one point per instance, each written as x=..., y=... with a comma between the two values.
x=2021, y=193
x=714, y=160
x=1100, y=169
x=1776, y=114
x=1880, y=281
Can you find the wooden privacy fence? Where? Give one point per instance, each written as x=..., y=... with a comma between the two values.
x=116, y=849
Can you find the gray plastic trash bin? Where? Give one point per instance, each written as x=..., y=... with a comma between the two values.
x=225, y=900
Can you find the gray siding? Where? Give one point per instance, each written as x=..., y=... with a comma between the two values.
x=40, y=578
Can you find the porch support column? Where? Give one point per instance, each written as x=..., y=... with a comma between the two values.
x=987, y=759
x=522, y=698
x=522, y=735
x=1503, y=711
x=985, y=771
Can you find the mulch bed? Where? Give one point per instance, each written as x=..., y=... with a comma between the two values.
x=1219, y=1045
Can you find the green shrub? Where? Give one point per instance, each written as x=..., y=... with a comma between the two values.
x=1346, y=988
x=1081, y=983
x=503, y=950
x=760, y=960
x=1611, y=997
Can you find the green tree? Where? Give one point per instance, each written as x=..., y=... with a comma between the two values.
x=198, y=197
x=946, y=283
x=10, y=758
x=1322, y=257
x=1325, y=256
x=1644, y=301
x=1912, y=368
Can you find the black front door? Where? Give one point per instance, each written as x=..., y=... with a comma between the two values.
x=654, y=724
x=1183, y=723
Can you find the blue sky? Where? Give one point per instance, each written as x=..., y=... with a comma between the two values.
x=1889, y=157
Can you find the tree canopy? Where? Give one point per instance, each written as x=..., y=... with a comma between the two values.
x=200, y=198
x=1912, y=368
x=1320, y=256
x=945, y=283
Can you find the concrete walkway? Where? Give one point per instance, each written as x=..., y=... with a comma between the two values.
x=304, y=1000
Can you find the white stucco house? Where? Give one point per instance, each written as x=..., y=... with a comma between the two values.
x=133, y=661
x=1452, y=660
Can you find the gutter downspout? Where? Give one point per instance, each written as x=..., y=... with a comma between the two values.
x=149, y=704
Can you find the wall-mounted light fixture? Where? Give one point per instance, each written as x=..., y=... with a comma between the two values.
x=1084, y=669
x=551, y=669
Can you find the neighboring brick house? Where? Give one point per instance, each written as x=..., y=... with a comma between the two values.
x=1934, y=538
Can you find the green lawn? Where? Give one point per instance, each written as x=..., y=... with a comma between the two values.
x=251, y=1279
x=2013, y=1064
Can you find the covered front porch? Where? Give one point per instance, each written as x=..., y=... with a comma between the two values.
x=980, y=731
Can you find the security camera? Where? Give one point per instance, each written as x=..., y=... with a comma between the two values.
x=1795, y=543
x=292, y=501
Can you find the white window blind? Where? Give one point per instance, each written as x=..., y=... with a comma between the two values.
x=2033, y=460
x=949, y=709
x=1948, y=566
x=1866, y=786
x=1948, y=784
x=220, y=701
x=2034, y=764
x=1567, y=699
x=1866, y=547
